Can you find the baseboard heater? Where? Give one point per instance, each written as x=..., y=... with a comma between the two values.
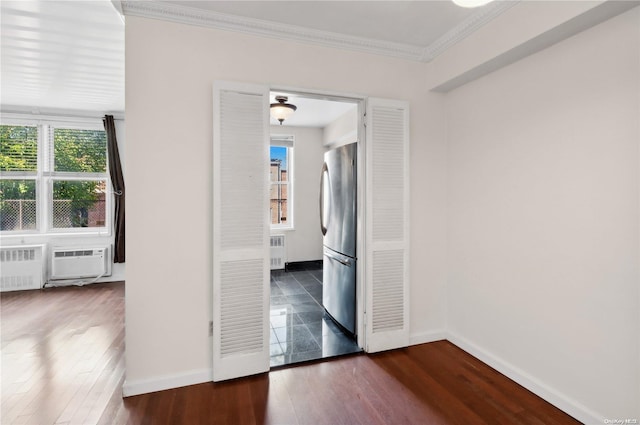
x=277, y=252
x=22, y=267
x=78, y=263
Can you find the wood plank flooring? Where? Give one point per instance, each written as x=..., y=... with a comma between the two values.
x=63, y=363
x=62, y=353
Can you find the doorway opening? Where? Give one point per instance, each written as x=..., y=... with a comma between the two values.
x=241, y=229
x=303, y=326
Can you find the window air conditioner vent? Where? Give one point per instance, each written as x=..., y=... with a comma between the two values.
x=74, y=263
x=88, y=253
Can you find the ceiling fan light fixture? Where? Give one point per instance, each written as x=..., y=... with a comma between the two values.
x=281, y=110
x=471, y=3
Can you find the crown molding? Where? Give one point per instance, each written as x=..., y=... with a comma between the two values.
x=216, y=20
x=483, y=16
x=193, y=16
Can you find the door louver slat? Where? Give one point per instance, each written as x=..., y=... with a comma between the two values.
x=240, y=231
x=242, y=160
x=388, y=290
x=388, y=181
x=388, y=249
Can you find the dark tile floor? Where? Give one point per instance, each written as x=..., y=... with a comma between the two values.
x=300, y=329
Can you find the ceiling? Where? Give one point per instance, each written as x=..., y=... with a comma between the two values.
x=417, y=23
x=69, y=55
x=417, y=30
x=62, y=55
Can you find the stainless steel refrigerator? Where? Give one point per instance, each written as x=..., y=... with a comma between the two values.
x=338, y=224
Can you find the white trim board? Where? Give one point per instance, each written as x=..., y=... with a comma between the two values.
x=427, y=337
x=56, y=114
x=205, y=18
x=167, y=382
x=552, y=396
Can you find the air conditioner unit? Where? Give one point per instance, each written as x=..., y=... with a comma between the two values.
x=76, y=263
x=21, y=267
x=277, y=252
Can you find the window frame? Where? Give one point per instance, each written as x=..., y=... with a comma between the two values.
x=285, y=141
x=27, y=175
x=45, y=176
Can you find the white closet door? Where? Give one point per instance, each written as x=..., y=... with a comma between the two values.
x=240, y=230
x=387, y=225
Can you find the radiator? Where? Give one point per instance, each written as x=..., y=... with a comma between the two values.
x=21, y=267
x=277, y=252
x=76, y=263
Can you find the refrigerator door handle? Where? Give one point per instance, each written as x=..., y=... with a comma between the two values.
x=325, y=170
x=338, y=259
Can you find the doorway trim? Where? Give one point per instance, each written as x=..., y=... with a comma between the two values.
x=383, y=281
x=360, y=101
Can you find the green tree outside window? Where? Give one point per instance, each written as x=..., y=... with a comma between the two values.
x=74, y=152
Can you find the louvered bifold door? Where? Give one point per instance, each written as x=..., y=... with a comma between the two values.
x=387, y=225
x=240, y=230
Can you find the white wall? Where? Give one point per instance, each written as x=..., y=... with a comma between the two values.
x=525, y=28
x=304, y=242
x=343, y=130
x=170, y=69
x=543, y=209
x=542, y=170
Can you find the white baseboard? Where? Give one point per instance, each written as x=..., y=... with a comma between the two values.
x=559, y=400
x=144, y=386
x=426, y=337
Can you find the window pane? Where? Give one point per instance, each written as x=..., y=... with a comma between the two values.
x=279, y=203
x=80, y=150
x=78, y=203
x=18, y=205
x=18, y=148
x=279, y=164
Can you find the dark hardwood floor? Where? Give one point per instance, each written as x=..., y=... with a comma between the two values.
x=63, y=363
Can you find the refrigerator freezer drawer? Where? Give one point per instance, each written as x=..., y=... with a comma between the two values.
x=339, y=288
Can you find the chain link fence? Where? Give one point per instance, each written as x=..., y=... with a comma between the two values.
x=18, y=214
x=67, y=213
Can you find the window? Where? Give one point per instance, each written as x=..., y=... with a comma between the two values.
x=281, y=188
x=19, y=167
x=53, y=178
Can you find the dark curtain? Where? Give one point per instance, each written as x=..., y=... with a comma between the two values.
x=117, y=181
